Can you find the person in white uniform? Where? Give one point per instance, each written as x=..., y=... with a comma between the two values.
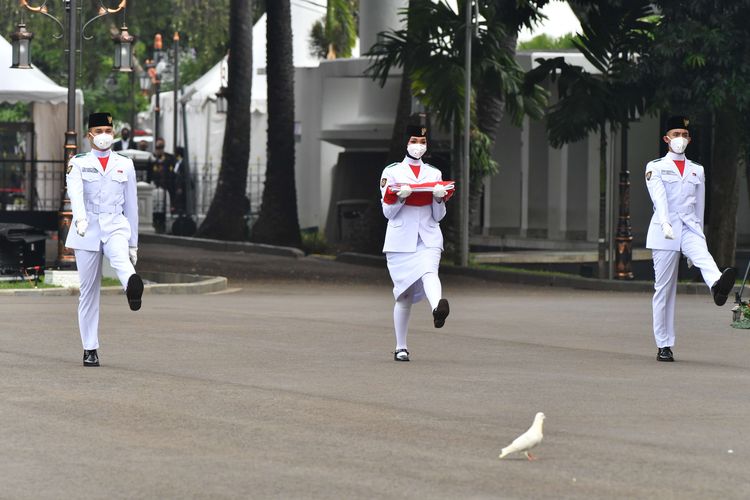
x=413, y=240
x=678, y=190
x=102, y=190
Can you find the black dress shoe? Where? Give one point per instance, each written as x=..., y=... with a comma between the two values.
x=723, y=287
x=440, y=313
x=134, y=292
x=401, y=355
x=90, y=358
x=665, y=354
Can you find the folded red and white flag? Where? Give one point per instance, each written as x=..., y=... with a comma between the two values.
x=425, y=187
x=422, y=193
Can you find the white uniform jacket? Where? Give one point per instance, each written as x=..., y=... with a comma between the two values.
x=678, y=199
x=407, y=223
x=106, y=198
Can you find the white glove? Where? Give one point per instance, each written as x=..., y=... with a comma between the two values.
x=689, y=262
x=667, y=230
x=133, y=254
x=439, y=192
x=404, y=192
x=81, y=226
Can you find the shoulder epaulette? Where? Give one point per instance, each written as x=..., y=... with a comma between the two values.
x=80, y=155
x=696, y=163
x=120, y=154
x=657, y=159
x=392, y=165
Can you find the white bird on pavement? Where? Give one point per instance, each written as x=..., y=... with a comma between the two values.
x=527, y=440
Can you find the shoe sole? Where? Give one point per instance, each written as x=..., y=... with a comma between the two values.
x=134, y=292
x=401, y=360
x=91, y=364
x=725, y=285
x=670, y=360
x=440, y=313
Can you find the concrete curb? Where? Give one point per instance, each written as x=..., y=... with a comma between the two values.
x=223, y=246
x=165, y=283
x=533, y=278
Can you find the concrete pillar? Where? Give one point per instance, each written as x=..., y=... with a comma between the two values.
x=557, y=206
x=376, y=16
x=145, y=207
x=525, y=153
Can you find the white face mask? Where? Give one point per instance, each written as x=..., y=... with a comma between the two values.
x=678, y=145
x=103, y=141
x=416, y=150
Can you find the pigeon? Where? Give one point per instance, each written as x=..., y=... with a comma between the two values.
x=527, y=440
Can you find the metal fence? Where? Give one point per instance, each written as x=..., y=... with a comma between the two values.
x=206, y=176
x=30, y=185
x=36, y=185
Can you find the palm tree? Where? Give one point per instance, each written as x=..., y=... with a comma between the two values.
x=336, y=34
x=225, y=219
x=612, y=34
x=278, y=223
x=431, y=51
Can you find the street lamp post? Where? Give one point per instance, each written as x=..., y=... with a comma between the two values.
x=156, y=82
x=624, y=237
x=175, y=88
x=21, y=46
x=463, y=247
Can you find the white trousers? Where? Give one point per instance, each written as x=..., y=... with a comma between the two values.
x=90, y=272
x=666, y=264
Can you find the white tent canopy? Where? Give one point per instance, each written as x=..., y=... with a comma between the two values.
x=49, y=103
x=49, y=111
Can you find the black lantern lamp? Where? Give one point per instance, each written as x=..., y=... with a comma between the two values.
x=123, y=50
x=221, y=99
x=21, y=43
x=144, y=80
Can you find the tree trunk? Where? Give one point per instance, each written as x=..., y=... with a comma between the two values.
x=724, y=193
x=278, y=223
x=490, y=108
x=225, y=219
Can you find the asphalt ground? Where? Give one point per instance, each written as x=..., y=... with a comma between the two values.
x=285, y=387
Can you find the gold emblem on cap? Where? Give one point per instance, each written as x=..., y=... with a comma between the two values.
x=109, y=119
x=424, y=131
x=686, y=122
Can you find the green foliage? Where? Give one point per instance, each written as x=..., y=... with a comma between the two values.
x=612, y=36
x=337, y=30
x=203, y=27
x=546, y=42
x=705, y=46
x=436, y=57
x=480, y=156
x=19, y=112
x=314, y=242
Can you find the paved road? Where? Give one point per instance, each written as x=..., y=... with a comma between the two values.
x=286, y=388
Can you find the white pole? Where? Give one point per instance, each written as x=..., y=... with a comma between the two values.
x=465, y=191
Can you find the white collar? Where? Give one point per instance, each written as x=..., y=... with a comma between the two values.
x=411, y=161
x=675, y=156
x=100, y=154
